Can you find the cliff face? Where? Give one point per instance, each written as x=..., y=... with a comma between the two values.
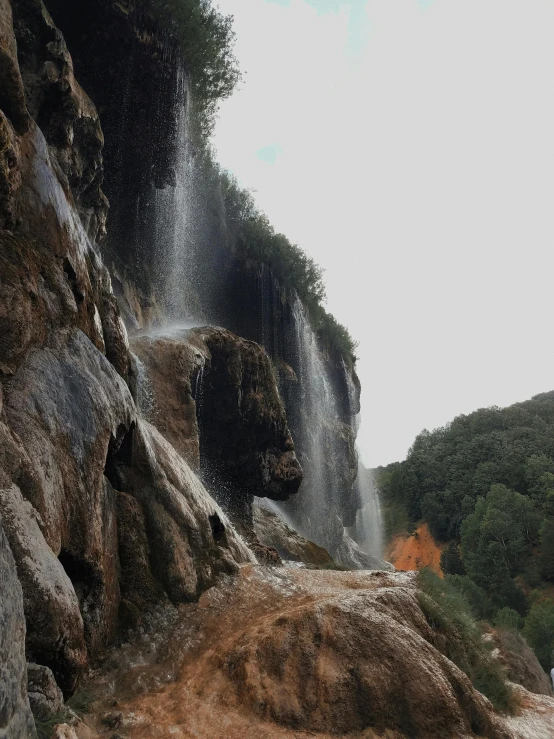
x=153, y=176
x=105, y=524
x=103, y=517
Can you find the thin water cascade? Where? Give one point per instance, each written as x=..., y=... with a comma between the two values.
x=174, y=215
x=315, y=441
x=145, y=398
x=368, y=531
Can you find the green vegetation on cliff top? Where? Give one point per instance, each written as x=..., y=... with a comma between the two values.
x=206, y=39
x=485, y=484
x=294, y=269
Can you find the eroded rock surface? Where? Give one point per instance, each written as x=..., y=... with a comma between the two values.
x=187, y=540
x=289, y=652
x=65, y=406
x=16, y=720
x=273, y=531
x=521, y=664
x=45, y=697
x=216, y=400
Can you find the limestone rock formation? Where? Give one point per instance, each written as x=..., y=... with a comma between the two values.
x=519, y=660
x=67, y=415
x=216, y=400
x=168, y=386
x=352, y=556
x=45, y=697
x=186, y=541
x=294, y=652
x=16, y=721
x=273, y=531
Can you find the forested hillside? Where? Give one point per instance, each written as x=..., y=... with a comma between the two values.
x=484, y=483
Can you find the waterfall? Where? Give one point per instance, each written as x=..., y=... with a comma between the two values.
x=368, y=531
x=314, y=510
x=145, y=398
x=174, y=216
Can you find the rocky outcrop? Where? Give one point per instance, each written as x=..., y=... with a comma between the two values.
x=293, y=652
x=352, y=556
x=273, y=531
x=62, y=110
x=216, y=399
x=168, y=384
x=45, y=697
x=184, y=538
x=69, y=427
x=16, y=721
x=245, y=440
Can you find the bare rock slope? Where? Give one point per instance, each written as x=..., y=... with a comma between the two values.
x=291, y=653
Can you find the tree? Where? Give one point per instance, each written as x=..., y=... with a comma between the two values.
x=547, y=549
x=451, y=560
x=539, y=632
x=507, y=618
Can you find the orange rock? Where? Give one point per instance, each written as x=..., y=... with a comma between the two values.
x=415, y=552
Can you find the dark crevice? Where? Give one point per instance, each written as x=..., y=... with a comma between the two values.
x=218, y=528
x=120, y=454
x=73, y=281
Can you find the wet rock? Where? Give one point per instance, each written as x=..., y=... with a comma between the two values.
x=216, y=400
x=174, y=367
x=45, y=697
x=16, y=721
x=273, y=531
x=139, y=588
x=186, y=552
x=55, y=632
x=351, y=555
x=281, y=653
x=350, y=661
x=63, y=110
x=12, y=95
x=67, y=410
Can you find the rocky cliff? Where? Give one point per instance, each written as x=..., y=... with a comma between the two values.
x=129, y=468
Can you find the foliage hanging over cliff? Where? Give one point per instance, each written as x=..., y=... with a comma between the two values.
x=295, y=270
x=206, y=40
x=485, y=483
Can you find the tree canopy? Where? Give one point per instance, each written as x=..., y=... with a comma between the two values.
x=206, y=40
x=484, y=483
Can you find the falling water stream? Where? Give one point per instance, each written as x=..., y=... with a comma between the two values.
x=368, y=530
x=175, y=221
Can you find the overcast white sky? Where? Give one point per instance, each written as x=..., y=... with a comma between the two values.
x=408, y=146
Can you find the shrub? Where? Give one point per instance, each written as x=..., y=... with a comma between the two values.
x=507, y=618
x=449, y=615
x=476, y=596
x=451, y=560
x=257, y=240
x=539, y=632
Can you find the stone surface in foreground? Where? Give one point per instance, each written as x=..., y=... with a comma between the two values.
x=291, y=653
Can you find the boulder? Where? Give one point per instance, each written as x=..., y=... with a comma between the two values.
x=187, y=540
x=45, y=697
x=215, y=398
x=281, y=653
x=273, y=531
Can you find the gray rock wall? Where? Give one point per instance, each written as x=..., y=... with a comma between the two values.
x=16, y=721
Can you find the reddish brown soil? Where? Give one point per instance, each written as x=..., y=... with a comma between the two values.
x=415, y=552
